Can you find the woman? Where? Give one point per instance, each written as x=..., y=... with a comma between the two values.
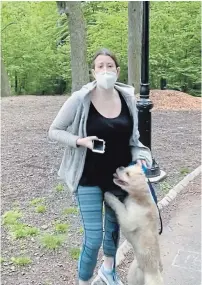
x=103, y=109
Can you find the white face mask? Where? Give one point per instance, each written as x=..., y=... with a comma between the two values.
x=106, y=79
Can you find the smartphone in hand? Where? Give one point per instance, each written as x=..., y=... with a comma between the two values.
x=98, y=146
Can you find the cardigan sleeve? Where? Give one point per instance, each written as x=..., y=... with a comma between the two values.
x=66, y=115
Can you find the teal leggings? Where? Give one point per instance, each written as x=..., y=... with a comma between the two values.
x=90, y=201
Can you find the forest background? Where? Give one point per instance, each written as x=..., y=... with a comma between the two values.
x=36, y=50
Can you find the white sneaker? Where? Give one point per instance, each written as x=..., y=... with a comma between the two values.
x=110, y=278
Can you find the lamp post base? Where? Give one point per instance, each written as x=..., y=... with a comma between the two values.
x=158, y=178
x=154, y=173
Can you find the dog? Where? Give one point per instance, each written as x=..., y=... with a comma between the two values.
x=138, y=219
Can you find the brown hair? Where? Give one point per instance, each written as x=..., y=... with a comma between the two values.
x=104, y=51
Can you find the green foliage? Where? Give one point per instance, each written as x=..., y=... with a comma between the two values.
x=30, y=49
x=61, y=228
x=51, y=241
x=81, y=231
x=74, y=253
x=175, y=43
x=36, y=47
x=21, y=231
x=21, y=260
x=40, y=209
x=11, y=217
x=17, y=229
x=59, y=187
x=70, y=211
x=164, y=187
x=36, y=201
x=2, y=259
x=107, y=27
x=184, y=171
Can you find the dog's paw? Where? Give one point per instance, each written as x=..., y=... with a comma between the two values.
x=108, y=195
x=110, y=198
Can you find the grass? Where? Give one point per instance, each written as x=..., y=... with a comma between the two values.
x=74, y=253
x=11, y=217
x=21, y=231
x=165, y=186
x=2, y=259
x=18, y=230
x=40, y=209
x=21, y=260
x=184, y=171
x=36, y=201
x=61, y=228
x=59, y=187
x=81, y=231
x=70, y=211
x=51, y=241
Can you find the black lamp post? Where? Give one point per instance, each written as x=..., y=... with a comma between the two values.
x=144, y=104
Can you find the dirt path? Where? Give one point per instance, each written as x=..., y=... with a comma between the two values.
x=29, y=170
x=181, y=240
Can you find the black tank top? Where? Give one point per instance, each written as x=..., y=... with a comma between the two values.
x=99, y=168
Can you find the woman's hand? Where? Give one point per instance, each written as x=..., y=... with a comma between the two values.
x=142, y=163
x=86, y=142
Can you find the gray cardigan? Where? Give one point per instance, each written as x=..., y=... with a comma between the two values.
x=70, y=124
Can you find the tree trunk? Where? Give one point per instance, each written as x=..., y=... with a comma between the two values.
x=134, y=43
x=5, y=85
x=77, y=29
x=16, y=83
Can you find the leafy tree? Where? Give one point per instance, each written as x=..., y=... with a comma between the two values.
x=5, y=85
x=79, y=66
x=34, y=61
x=36, y=49
x=107, y=27
x=175, y=43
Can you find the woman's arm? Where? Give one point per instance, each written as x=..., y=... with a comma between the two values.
x=63, y=120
